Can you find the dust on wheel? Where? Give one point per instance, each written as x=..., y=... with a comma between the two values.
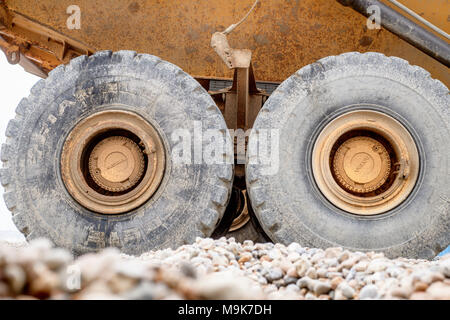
x=359, y=160
x=365, y=162
x=88, y=161
x=113, y=161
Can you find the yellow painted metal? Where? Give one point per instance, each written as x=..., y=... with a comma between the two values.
x=284, y=35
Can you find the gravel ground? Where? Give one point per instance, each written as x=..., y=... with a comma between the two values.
x=218, y=269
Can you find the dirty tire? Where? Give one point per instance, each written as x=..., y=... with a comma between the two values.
x=190, y=200
x=288, y=203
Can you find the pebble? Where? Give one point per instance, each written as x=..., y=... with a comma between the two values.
x=312, y=273
x=403, y=292
x=245, y=257
x=302, y=266
x=322, y=273
x=362, y=266
x=321, y=287
x=335, y=282
x=289, y=280
x=439, y=290
x=445, y=268
x=376, y=266
x=347, y=291
x=218, y=269
x=369, y=292
x=16, y=277
x=274, y=274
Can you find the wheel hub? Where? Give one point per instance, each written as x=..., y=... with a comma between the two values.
x=365, y=162
x=113, y=162
x=116, y=163
x=361, y=164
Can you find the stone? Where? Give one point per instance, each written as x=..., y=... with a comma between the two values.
x=306, y=282
x=322, y=273
x=248, y=243
x=343, y=256
x=188, y=270
x=16, y=277
x=420, y=296
x=262, y=280
x=310, y=296
x=289, y=280
x=285, y=265
x=226, y=286
x=294, y=246
x=337, y=295
x=274, y=254
x=292, y=287
x=321, y=287
x=317, y=257
x=293, y=257
x=147, y=291
x=274, y=274
x=346, y=290
x=57, y=258
x=44, y=284
x=376, y=265
x=245, y=257
x=131, y=269
x=331, y=262
x=369, y=292
x=361, y=266
x=439, y=291
x=333, y=252
x=402, y=292
x=292, y=272
x=311, y=273
x=4, y=290
x=119, y=283
x=420, y=286
x=335, y=282
x=206, y=243
x=302, y=267
x=445, y=267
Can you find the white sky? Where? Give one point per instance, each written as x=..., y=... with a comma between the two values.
x=15, y=84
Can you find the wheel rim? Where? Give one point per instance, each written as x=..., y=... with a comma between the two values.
x=112, y=162
x=244, y=217
x=365, y=162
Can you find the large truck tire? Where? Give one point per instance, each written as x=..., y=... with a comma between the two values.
x=363, y=158
x=151, y=99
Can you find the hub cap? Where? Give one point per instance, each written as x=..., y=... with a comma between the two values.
x=361, y=164
x=365, y=162
x=112, y=162
x=116, y=164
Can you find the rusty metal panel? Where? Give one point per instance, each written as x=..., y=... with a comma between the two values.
x=284, y=35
